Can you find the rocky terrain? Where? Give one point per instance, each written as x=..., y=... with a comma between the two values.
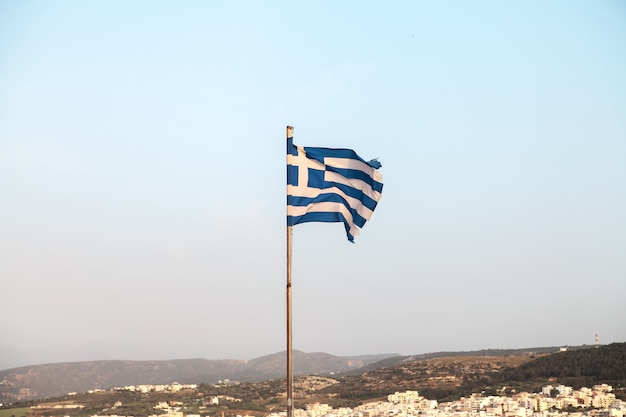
x=330, y=379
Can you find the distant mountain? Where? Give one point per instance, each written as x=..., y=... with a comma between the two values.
x=391, y=360
x=438, y=375
x=51, y=380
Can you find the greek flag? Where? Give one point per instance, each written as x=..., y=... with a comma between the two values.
x=331, y=185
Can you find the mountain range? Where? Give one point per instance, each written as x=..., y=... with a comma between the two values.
x=52, y=380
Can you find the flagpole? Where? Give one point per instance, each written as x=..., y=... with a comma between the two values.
x=289, y=330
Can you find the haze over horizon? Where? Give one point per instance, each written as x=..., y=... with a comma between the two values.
x=386, y=355
x=142, y=177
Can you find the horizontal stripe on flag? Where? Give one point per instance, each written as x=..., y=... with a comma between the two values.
x=355, y=188
x=296, y=206
x=327, y=213
x=362, y=205
x=356, y=175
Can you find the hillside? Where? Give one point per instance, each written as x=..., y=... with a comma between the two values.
x=575, y=368
x=445, y=378
x=51, y=380
x=437, y=377
x=399, y=360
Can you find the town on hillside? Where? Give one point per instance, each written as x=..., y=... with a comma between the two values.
x=558, y=401
x=552, y=401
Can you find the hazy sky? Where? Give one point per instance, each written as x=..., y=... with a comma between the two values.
x=142, y=176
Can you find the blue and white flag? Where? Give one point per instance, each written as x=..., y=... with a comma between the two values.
x=331, y=185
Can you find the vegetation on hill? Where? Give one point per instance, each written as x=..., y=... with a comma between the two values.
x=445, y=379
x=399, y=360
x=606, y=364
x=442, y=379
x=439, y=378
x=50, y=380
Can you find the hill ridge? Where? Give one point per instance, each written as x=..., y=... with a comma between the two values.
x=48, y=380
x=51, y=380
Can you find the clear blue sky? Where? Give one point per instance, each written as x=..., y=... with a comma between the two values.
x=142, y=176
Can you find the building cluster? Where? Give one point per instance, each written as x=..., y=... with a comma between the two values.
x=57, y=406
x=552, y=401
x=170, y=408
x=174, y=387
x=558, y=401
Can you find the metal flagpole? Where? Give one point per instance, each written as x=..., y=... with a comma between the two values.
x=289, y=333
